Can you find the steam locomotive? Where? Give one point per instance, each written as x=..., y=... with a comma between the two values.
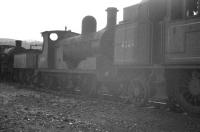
x=153, y=54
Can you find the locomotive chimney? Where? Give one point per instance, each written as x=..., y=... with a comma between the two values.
x=111, y=16
x=18, y=43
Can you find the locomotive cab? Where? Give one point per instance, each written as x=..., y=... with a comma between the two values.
x=182, y=33
x=51, y=50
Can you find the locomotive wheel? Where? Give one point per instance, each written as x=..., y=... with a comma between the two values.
x=137, y=93
x=188, y=91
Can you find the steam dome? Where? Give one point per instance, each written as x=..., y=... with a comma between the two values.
x=89, y=25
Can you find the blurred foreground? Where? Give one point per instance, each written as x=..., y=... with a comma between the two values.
x=24, y=110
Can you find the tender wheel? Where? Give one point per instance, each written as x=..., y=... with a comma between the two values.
x=137, y=93
x=188, y=91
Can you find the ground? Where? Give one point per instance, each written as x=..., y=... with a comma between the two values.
x=25, y=110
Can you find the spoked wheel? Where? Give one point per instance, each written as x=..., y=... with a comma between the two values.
x=188, y=91
x=137, y=92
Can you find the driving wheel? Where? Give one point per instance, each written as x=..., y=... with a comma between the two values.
x=188, y=91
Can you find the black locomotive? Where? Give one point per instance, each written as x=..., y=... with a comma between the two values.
x=7, y=52
x=153, y=54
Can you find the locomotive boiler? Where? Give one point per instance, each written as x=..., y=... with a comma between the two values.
x=81, y=57
x=153, y=54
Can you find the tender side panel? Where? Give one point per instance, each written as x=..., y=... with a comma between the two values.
x=31, y=60
x=20, y=61
x=132, y=44
x=183, y=42
x=26, y=60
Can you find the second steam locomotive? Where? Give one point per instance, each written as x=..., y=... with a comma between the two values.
x=153, y=54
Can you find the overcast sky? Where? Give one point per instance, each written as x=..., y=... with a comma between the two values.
x=26, y=19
